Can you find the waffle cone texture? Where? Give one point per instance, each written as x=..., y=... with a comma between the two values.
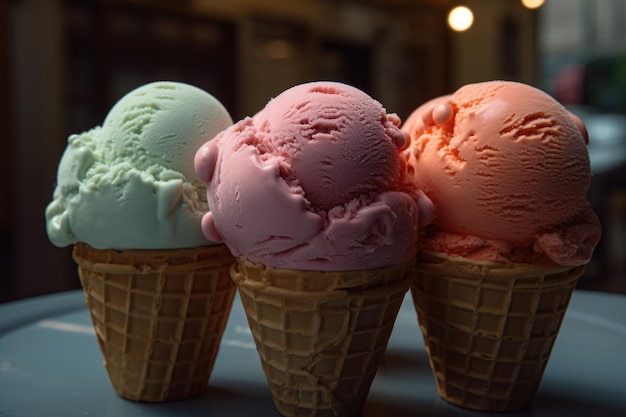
x=320, y=335
x=159, y=316
x=489, y=329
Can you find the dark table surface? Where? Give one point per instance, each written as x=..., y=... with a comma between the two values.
x=50, y=365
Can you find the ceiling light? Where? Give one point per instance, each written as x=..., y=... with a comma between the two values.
x=460, y=18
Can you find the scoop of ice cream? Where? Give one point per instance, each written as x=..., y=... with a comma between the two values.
x=164, y=124
x=130, y=184
x=313, y=181
x=505, y=162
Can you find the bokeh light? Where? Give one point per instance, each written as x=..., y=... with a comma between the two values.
x=460, y=18
x=533, y=4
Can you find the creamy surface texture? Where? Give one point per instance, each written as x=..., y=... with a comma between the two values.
x=313, y=181
x=507, y=168
x=130, y=183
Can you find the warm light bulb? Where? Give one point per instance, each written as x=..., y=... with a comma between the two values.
x=532, y=4
x=460, y=18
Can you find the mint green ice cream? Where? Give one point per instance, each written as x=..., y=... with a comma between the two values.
x=131, y=184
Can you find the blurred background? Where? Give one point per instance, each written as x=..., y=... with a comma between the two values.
x=66, y=62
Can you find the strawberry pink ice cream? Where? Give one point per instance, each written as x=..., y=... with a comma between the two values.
x=508, y=170
x=313, y=181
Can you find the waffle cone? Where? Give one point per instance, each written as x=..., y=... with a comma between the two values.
x=158, y=315
x=489, y=329
x=320, y=335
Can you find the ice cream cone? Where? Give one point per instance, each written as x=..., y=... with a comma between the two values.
x=159, y=316
x=489, y=329
x=320, y=335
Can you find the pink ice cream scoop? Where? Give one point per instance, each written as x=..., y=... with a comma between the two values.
x=507, y=168
x=313, y=181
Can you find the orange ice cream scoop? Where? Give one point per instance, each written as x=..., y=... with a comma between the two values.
x=507, y=169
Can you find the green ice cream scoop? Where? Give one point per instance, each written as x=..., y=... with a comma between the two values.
x=131, y=184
